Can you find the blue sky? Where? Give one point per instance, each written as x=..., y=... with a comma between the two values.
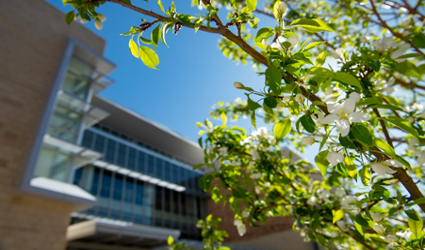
x=193, y=73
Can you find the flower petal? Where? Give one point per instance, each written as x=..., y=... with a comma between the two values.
x=358, y=117
x=379, y=168
x=349, y=105
x=334, y=107
x=329, y=119
x=343, y=127
x=355, y=95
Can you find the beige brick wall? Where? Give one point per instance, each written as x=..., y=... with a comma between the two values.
x=33, y=38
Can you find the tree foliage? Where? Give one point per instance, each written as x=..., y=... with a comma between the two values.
x=331, y=69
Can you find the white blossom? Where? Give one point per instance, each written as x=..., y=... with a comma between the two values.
x=299, y=98
x=379, y=229
x=377, y=216
x=223, y=151
x=254, y=154
x=245, y=214
x=293, y=40
x=240, y=226
x=339, y=53
x=348, y=202
x=343, y=114
x=340, y=192
x=343, y=225
x=308, y=140
x=101, y=17
x=324, y=194
x=280, y=106
x=406, y=22
x=391, y=239
x=421, y=159
x=82, y=20
x=382, y=168
x=364, y=39
x=312, y=201
x=334, y=158
x=256, y=175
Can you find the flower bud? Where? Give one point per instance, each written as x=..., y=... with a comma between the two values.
x=238, y=85
x=308, y=140
x=280, y=106
x=283, y=8
x=82, y=20
x=101, y=17
x=339, y=53
x=299, y=98
x=379, y=229
x=334, y=158
x=98, y=24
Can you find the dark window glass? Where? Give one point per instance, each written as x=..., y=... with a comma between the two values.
x=175, y=175
x=190, y=179
x=175, y=202
x=126, y=216
x=87, y=139
x=99, y=144
x=102, y=212
x=110, y=151
x=129, y=188
x=106, y=184
x=118, y=183
x=131, y=163
x=121, y=155
x=167, y=171
x=78, y=176
x=198, y=208
x=95, y=183
x=159, y=169
x=185, y=177
x=167, y=201
x=151, y=165
x=158, y=197
x=141, y=162
x=139, y=193
x=183, y=203
x=115, y=214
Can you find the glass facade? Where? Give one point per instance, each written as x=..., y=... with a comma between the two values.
x=127, y=198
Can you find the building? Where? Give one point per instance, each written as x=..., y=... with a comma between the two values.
x=74, y=175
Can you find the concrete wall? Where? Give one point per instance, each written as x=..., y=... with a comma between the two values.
x=33, y=38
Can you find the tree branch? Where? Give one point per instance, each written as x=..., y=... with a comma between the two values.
x=384, y=128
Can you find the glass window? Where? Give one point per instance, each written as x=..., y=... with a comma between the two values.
x=158, y=198
x=53, y=164
x=131, y=162
x=118, y=185
x=110, y=151
x=77, y=79
x=139, y=193
x=183, y=204
x=106, y=184
x=175, y=201
x=95, y=183
x=167, y=171
x=121, y=154
x=151, y=165
x=129, y=190
x=99, y=144
x=141, y=162
x=78, y=176
x=159, y=171
x=175, y=175
x=65, y=124
x=167, y=199
x=87, y=139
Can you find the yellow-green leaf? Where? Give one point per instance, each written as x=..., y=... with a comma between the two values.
x=350, y=166
x=337, y=215
x=261, y=45
x=251, y=4
x=320, y=60
x=223, y=118
x=384, y=146
x=149, y=57
x=321, y=161
x=282, y=128
x=160, y=6
x=348, y=79
x=312, y=25
x=133, y=48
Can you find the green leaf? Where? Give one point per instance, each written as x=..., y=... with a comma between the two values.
x=223, y=118
x=416, y=228
x=253, y=105
x=359, y=219
x=164, y=29
x=170, y=240
x=420, y=201
x=263, y=33
x=251, y=4
x=348, y=79
x=412, y=214
x=401, y=123
x=384, y=146
x=313, y=45
x=359, y=228
x=365, y=175
x=350, y=167
x=419, y=41
x=133, y=48
x=312, y=25
x=261, y=45
x=205, y=182
x=282, y=128
x=273, y=79
x=160, y=6
x=145, y=40
x=253, y=121
x=403, y=161
x=321, y=161
x=337, y=215
x=408, y=69
x=362, y=134
x=155, y=36
x=346, y=142
x=69, y=17
x=320, y=59
x=294, y=107
x=270, y=102
x=308, y=123
x=149, y=57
